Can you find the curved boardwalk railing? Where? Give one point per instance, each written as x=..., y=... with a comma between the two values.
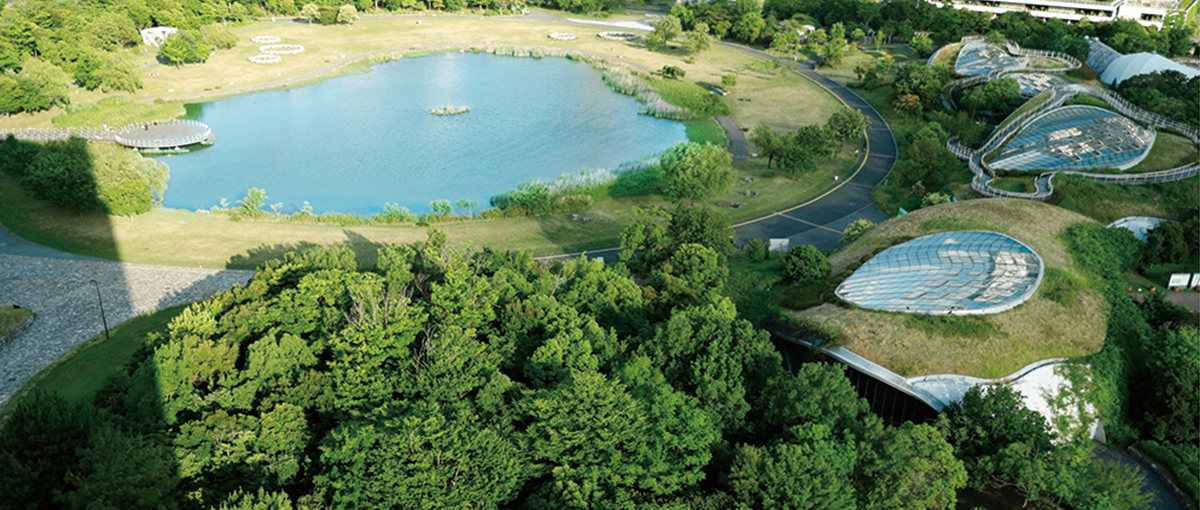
x=1015, y=49
x=52, y=134
x=114, y=135
x=984, y=175
x=203, y=133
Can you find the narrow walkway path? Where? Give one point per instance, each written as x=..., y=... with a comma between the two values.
x=739, y=148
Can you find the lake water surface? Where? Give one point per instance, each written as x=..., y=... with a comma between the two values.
x=354, y=143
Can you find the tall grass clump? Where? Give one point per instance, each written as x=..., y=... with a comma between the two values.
x=393, y=214
x=692, y=98
x=626, y=82
x=527, y=51
x=578, y=191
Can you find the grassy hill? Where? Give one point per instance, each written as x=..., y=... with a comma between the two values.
x=1065, y=318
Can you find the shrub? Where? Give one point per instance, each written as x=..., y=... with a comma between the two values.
x=1106, y=252
x=648, y=181
x=327, y=15
x=673, y=72
x=932, y=199
x=217, y=36
x=251, y=204
x=856, y=229
x=758, y=250
x=393, y=213
x=1060, y=286
x=729, y=81
x=127, y=183
x=16, y=155
x=1165, y=244
x=531, y=197
x=805, y=263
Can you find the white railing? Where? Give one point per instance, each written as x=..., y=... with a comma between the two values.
x=159, y=143
x=984, y=175
x=110, y=135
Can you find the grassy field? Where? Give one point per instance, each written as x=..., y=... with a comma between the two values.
x=1169, y=151
x=1052, y=323
x=706, y=131
x=782, y=100
x=117, y=112
x=948, y=55
x=1110, y=202
x=1014, y=184
x=12, y=318
x=183, y=238
x=77, y=375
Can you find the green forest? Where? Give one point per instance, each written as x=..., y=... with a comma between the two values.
x=460, y=378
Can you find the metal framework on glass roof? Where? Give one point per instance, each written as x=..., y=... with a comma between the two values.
x=960, y=273
x=1076, y=137
x=1032, y=84
x=982, y=58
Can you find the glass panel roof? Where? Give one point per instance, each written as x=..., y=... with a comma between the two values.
x=982, y=58
x=1076, y=138
x=962, y=273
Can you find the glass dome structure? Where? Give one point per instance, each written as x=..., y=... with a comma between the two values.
x=960, y=273
x=982, y=58
x=1077, y=137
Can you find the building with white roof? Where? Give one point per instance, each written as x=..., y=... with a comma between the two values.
x=1115, y=68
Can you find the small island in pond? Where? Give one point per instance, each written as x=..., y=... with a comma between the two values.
x=450, y=110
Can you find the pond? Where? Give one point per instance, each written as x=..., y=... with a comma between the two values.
x=352, y=144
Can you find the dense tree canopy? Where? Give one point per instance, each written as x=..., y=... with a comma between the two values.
x=451, y=378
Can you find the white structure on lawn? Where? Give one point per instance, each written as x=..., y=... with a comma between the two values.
x=155, y=36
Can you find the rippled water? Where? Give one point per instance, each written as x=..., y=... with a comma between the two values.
x=354, y=143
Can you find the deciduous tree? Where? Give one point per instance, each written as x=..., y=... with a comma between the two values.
x=693, y=171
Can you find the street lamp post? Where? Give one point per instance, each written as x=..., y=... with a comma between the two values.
x=101, y=301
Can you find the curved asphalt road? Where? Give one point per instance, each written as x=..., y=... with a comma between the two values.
x=820, y=220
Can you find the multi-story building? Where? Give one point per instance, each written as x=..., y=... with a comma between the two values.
x=1146, y=12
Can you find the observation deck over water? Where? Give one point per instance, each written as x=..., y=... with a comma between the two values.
x=146, y=135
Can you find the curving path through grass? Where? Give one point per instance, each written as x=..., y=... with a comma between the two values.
x=819, y=220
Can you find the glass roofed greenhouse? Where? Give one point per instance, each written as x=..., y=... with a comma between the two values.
x=1032, y=84
x=961, y=273
x=1076, y=138
x=983, y=58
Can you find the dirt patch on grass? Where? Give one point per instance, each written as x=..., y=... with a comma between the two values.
x=1065, y=324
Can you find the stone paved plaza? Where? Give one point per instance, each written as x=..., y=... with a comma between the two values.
x=60, y=291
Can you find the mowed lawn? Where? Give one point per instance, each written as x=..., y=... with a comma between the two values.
x=184, y=238
x=1048, y=325
x=782, y=100
x=1169, y=151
